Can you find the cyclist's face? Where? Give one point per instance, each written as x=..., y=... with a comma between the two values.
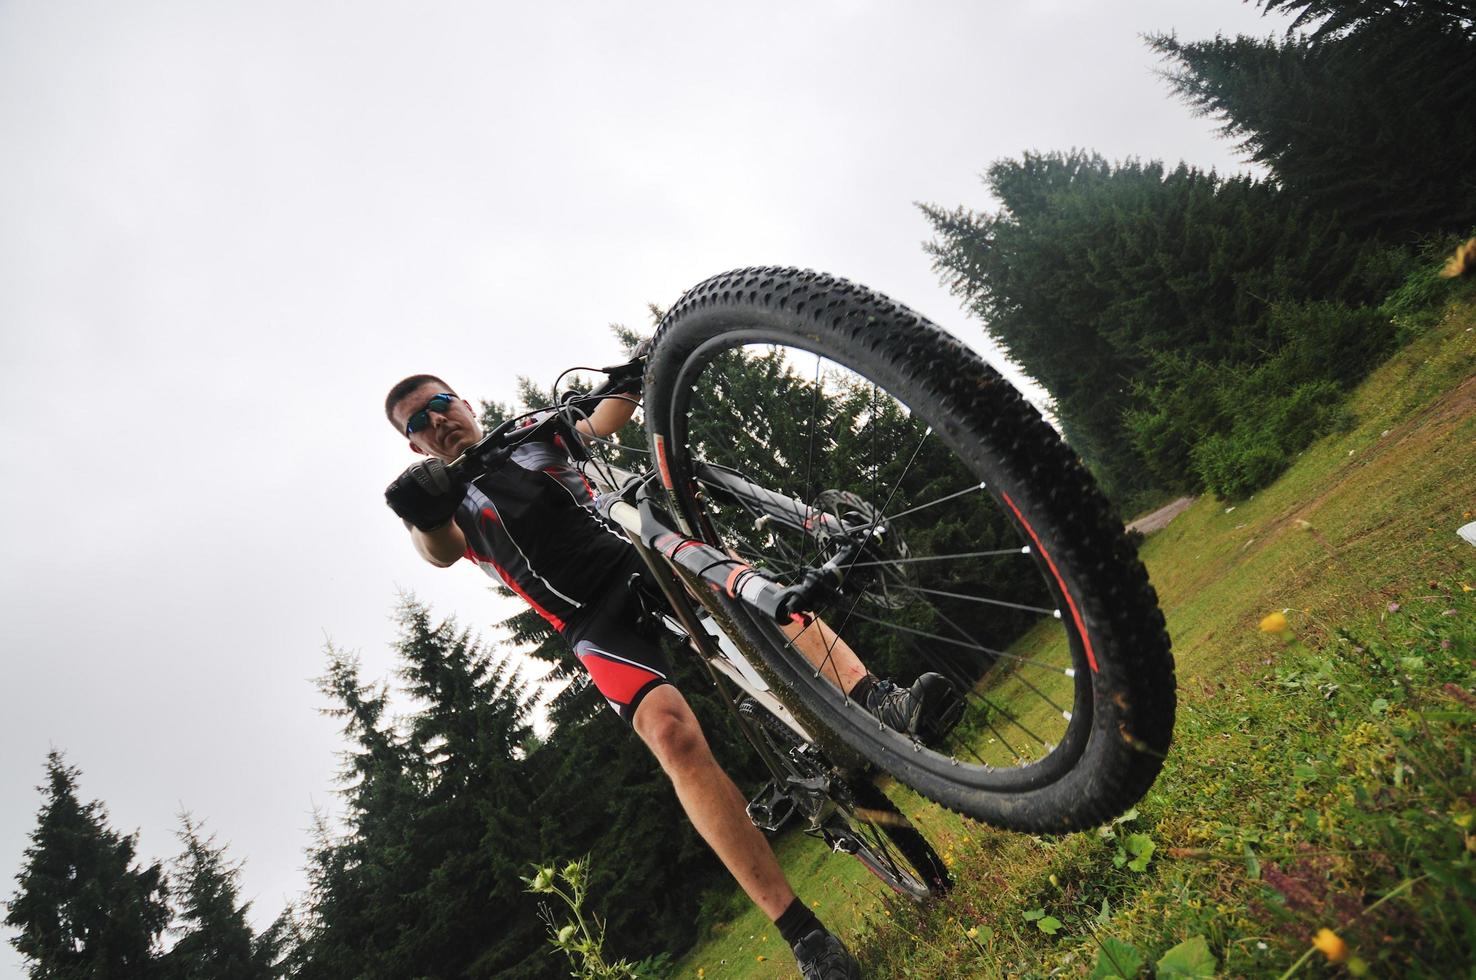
x=448, y=433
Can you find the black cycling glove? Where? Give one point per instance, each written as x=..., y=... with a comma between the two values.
x=426, y=494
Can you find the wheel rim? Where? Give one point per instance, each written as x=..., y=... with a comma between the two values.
x=876, y=850
x=966, y=589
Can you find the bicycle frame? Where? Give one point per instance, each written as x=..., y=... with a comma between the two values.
x=627, y=499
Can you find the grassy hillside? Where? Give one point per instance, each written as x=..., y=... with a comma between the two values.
x=1322, y=776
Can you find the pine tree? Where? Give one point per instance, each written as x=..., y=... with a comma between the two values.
x=83, y=909
x=1369, y=118
x=1332, y=18
x=475, y=830
x=1095, y=277
x=359, y=879
x=216, y=941
x=424, y=879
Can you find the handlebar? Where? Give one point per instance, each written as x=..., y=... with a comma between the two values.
x=496, y=446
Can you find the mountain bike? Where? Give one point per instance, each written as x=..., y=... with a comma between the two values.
x=820, y=457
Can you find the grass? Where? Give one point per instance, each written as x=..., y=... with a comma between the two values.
x=1322, y=775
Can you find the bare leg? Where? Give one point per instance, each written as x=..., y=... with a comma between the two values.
x=666, y=724
x=826, y=651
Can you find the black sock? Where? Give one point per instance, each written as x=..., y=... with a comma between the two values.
x=862, y=689
x=797, y=922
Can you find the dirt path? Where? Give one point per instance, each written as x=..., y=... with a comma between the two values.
x=1159, y=519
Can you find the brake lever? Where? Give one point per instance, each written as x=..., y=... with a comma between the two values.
x=629, y=371
x=482, y=455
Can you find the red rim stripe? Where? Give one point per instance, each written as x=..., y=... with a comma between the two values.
x=661, y=462
x=1070, y=603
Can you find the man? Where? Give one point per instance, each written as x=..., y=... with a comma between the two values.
x=530, y=524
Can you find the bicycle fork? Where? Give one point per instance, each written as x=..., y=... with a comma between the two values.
x=721, y=571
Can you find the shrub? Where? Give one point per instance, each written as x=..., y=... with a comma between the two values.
x=1265, y=439
x=1233, y=427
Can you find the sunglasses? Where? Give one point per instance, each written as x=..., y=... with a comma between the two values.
x=439, y=404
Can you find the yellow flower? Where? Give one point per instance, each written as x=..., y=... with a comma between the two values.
x=1331, y=945
x=973, y=932
x=1274, y=623
x=701, y=972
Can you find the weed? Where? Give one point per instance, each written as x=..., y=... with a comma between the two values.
x=582, y=940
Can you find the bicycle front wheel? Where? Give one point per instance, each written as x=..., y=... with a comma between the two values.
x=986, y=552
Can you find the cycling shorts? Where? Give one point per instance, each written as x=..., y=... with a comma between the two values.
x=617, y=646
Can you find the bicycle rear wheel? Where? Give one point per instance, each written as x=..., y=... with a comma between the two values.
x=989, y=555
x=882, y=838
x=861, y=820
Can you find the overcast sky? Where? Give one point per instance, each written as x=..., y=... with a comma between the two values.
x=227, y=228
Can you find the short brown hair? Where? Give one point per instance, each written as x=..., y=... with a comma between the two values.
x=399, y=392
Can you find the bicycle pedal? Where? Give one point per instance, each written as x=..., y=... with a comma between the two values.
x=942, y=711
x=771, y=809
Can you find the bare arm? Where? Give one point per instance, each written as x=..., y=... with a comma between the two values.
x=609, y=416
x=441, y=547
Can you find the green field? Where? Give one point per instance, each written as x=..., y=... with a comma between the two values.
x=1321, y=778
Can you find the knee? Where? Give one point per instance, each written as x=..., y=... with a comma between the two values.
x=675, y=738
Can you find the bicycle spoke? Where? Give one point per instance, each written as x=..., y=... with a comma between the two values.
x=963, y=554
x=881, y=848
x=879, y=818
x=1053, y=613
x=612, y=444
x=933, y=503
x=1014, y=721
x=875, y=447
x=1024, y=680
x=968, y=645
x=900, y=477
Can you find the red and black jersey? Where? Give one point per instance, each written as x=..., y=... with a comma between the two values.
x=530, y=524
